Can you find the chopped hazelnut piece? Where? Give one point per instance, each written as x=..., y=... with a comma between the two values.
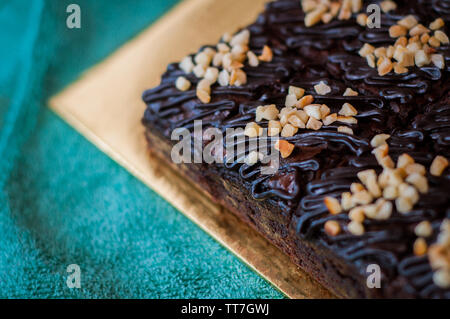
x=424, y=38
x=437, y=24
x=385, y=66
x=203, y=58
x=345, y=129
x=252, y=158
x=238, y=77
x=390, y=51
x=408, y=192
x=355, y=228
x=298, y=92
x=313, y=124
x=348, y=110
x=315, y=16
x=438, y=166
x=182, y=83
x=322, y=88
x=438, y=60
x=291, y=100
x=408, y=22
x=441, y=278
x=401, y=41
x=362, y=198
x=187, y=65
x=347, y=119
x=404, y=160
x=313, y=110
x=369, y=179
x=361, y=19
x=396, y=31
x=204, y=85
x=381, y=151
x=226, y=37
x=252, y=59
x=324, y=110
x=357, y=214
x=346, y=201
x=415, y=168
x=203, y=96
x=379, y=140
x=211, y=74
x=350, y=92
x=418, y=30
x=399, y=69
x=224, y=78
x=289, y=130
x=223, y=48
x=332, y=228
x=418, y=181
x=356, y=6
x=403, y=205
x=306, y=100
x=442, y=37
x=333, y=205
x=240, y=38
x=199, y=70
x=330, y=119
x=383, y=209
x=308, y=5
x=266, y=112
x=356, y=187
x=217, y=59
x=420, y=247
x=404, y=56
x=284, y=147
x=388, y=5
x=344, y=14
x=421, y=58
x=266, y=55
x=326, y=18
x=274, y=128
x=296, y=121
x=253, y=130
x=370, y=60
x=386, y=162
x=390, y=192
x=434, y=42
x=366, y=50
x=423, y=229
x=379, y=52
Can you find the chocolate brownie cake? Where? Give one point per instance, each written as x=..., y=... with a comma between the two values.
x=357, y=109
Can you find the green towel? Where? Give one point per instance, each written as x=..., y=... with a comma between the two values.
x=64, y=202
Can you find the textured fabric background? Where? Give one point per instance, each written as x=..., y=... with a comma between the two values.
x=65, y=202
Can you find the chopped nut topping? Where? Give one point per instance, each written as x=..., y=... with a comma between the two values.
x=390, y=192
x=366, y=50
x=409, y=192
x=306, y=100
x=438, y=166
x=361, y=19
x=408, y=22
x=199, y=70
x=379, y=140
x=385, y=66
x=442, y=278
x=203, y=96
x=355, y=228
x=298, y=92
x=332, y=228
x=252, y=59
x=418, y=30
x=296, y=121
x=356, y=187
x=289, y=130
x=182, y=83
x=313, y=124
x=383, y=210
x=370, y=60
x=240, y=38
x=403, y=205
x=252, y=158
x=345, y=129
x=442, y=37
x=315, y=16
x=291, y=100
x=423, y=229
x=347, y=119
x=438, y=60
x=322, y=88
x=362, y=198
x=238, y=77
x=313, y=110
x=348, y=110
x=187, y=65
x=346, y=201
x=437, y=24
x=404, y=160
x=274, y=128
x=333, y=205
x=418, y=181
x=203, y=58
x=434, y=42
x=266, y=112
x=330, y=119
x=253, y=130
x=388, y=5
x=420, y=247
x=284, y=147
x=223, y=48
x=211, y=74
x=224, y=78
x=421, y=58
x=324, y=110
x=357, y=214
x=350, y=92
x=266, y=55
x=396, y=31
x=415, y=168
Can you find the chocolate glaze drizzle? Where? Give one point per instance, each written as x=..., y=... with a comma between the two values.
x=413, y=107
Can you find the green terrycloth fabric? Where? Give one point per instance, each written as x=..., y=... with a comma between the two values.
x=63, y=201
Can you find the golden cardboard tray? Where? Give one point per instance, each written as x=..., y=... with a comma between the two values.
x=105, y=106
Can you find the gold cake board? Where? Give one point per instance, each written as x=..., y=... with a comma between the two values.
x=105, y=106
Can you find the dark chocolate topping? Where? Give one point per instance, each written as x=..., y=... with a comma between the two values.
x=413, y=107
